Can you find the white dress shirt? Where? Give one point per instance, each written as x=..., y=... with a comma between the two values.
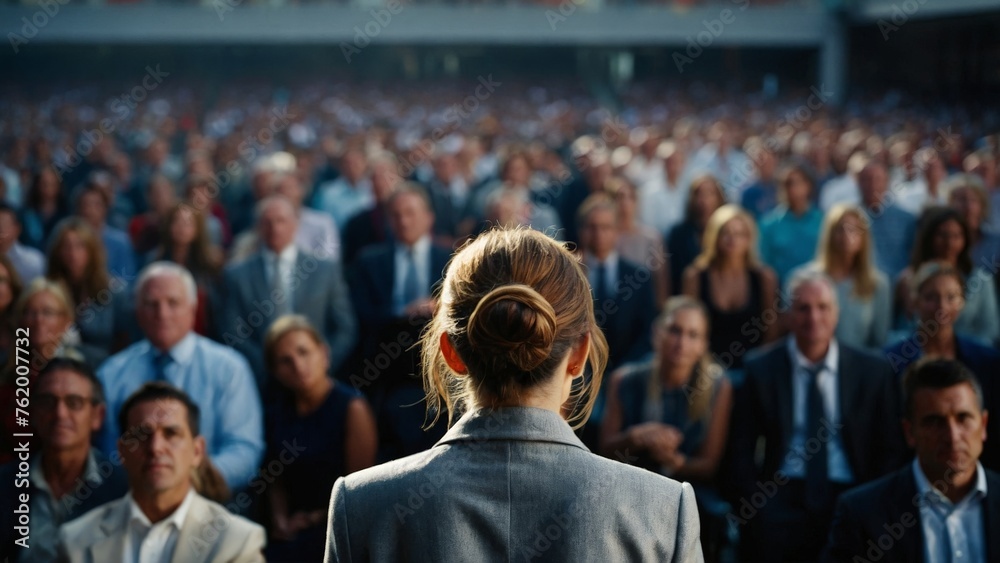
x=838, y=467
x=661, y=205
x=146, y=542
x=952, y=532
x=422, y=259
x=842, y=189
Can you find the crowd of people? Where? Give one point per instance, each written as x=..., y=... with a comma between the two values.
x=259, y=266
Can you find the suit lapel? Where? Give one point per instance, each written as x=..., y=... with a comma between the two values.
x=784, y=373
x=302, y=290
x=387, y=277
x=192, y=544
x=847, y=389
x=911, y=545
x=114, y=526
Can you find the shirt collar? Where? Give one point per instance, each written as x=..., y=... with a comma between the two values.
x=592, y=262
x=182, y=352
x=91, y=474
x=420, y=248
x=830, y=362
x=287, y=256
x=176, y=518
x=925, y=489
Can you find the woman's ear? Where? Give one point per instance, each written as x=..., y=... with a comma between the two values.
x=451, y=357
x=578, y=356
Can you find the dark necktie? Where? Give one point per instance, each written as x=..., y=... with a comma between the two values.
x=160, y=363
x=817, y=477
x=411, y=281
x=601, y=285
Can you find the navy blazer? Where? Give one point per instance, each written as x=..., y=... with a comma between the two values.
x=869, y=411
x=248, y=310
x=886, y=507
x=373, y=277
x=627, y=319
x=511, y=484
x=982, y=361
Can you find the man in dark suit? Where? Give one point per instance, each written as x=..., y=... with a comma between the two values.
x=281, y=279
x=827, y=415
x=392, y=289
x=624, y=305
x=371, y=226
x=944, y=506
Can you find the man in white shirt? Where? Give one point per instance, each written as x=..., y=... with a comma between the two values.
x=941, y=507
x=162, y=518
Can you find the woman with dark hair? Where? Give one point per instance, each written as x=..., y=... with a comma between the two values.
x=684, y=241
x=145, y=229
x=789, y=232
x=184, y=240
x=737, y=289
x=943, y=235
x=77, y=260
x=330, y=422
x=506, y=357
x=45, y=206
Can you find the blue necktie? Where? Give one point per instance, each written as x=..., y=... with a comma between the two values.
x=411, y=281
x=817, y=478
x=160, y=363
x=601, y=286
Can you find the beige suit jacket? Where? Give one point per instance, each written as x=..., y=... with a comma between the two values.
x=210, y=534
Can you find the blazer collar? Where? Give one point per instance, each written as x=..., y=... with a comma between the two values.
x=115, y=526
x=512, y=423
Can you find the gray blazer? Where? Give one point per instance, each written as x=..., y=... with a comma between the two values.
x=320, y=294
x=210, y=533
x=506, y=485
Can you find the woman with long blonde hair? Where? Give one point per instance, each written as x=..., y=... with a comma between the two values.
x=845, y=253
x=738, y=290
x=506, y=356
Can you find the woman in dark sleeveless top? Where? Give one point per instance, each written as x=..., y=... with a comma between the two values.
x=671, y=415
x=739, y=292
x=316, y=431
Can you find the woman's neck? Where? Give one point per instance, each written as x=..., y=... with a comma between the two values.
x=673, y=375
x=310, y=399
x=180, y=252
x=940, y=342
x=841, y=267
x=729, y=265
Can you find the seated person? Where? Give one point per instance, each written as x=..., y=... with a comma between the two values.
x=329, y=422
x=67, y=477
x=943, y=505
x=161, y=518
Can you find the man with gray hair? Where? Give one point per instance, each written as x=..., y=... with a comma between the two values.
x=279, y=279
x=215, y=376
x=827, y=414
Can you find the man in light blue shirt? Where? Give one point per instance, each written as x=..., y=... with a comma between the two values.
x=943, y=506
x=216, y=377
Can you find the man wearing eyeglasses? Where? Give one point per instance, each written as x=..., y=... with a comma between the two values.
x=67, y=477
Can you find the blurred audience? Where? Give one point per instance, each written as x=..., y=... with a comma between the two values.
x=789, y=232
x=28, y=262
